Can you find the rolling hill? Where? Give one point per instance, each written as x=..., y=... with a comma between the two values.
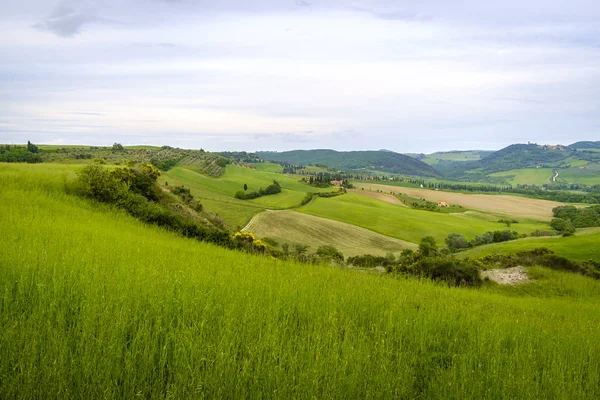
x=293, y=227
x=385, y=161
x=96, y=304
x=585, y=145
x=521, y=157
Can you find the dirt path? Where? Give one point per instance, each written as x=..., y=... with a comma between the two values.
x=507, y=276
x=388, y=198
x=515, y=206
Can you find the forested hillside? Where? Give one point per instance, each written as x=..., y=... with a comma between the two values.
x=384, y=161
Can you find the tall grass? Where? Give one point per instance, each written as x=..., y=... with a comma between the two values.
x=94, y=304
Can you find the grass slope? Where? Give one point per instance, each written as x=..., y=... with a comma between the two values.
x=98, y=305
x=526, y=176
x=217, y=194
x=405, y=223
x=293, y=227
x=584, y=245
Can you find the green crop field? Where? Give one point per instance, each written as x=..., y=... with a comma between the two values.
x=409, y=224
x=94, y=304
x=526, y=176
x=268, y=167
x=293, y=227
x=584, y=245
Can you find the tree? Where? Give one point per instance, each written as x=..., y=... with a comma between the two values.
x=32, y=148
x=428, y=247
x=563, y=226
x=245, y=187
x=117, y=147
x=456, y=241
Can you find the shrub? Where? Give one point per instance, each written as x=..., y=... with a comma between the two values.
x=451, y=270
x=455, y=241
x=330, y=252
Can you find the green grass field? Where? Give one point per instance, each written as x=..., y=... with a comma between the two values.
x=435, y=158
x=293, y=227
x=588, y=175
x=268, y=167
x=217, y=194
x=526, y=176
x=584, y=245
x=409, y=224
x=94, y=304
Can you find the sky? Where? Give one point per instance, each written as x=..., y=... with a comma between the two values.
x=408, y=76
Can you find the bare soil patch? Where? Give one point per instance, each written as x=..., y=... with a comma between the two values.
x=507, y=276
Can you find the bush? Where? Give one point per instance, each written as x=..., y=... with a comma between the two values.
x=455, y=242
x=563, y=226
x=451, y=270
x=328, y=251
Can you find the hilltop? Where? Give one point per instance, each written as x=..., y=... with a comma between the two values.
x=355, y=161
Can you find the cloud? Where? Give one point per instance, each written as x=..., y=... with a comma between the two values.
x=68, y=18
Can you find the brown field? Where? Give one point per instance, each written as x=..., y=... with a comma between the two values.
x=293, y=227
x=388, y=198
x=514, y=206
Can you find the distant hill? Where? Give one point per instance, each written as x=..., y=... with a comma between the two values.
x=585, y=145
x=385, y=161
x=517, y=156
x=455, y=155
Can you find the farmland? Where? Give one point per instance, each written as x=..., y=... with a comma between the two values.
x=497, y=204
x=527, y=176
x=408, y=224
x=99, y=305
x=293, y=227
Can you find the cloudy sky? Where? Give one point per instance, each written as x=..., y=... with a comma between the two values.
x=410, y=76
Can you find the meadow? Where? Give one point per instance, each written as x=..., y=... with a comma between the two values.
x=587, y=175
x=94, y=304
x=527, y=176
x=584, y=245
x=409, y=224
x=217, y=194
x=293, y=227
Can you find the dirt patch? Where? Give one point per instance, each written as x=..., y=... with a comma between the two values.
x=515, y=206
x=507, y=276
x=388, y=198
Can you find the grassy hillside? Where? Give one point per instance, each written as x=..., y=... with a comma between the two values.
x=578, y=172
x=97, y=305
x=385, y=161
x=293, y=227
x=585, y=145
x=584, y=245
x=408, y=224
x=526, y=176
x=518, y=157
x=217, y=194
